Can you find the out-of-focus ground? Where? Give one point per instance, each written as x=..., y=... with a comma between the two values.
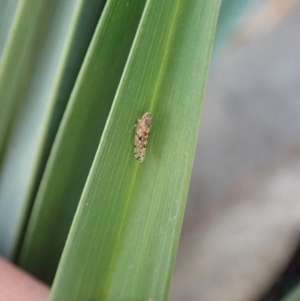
x=242, y=219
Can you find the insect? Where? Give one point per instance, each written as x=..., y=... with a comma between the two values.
x=142, y=134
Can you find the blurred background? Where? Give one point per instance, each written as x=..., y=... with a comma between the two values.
x=242, y=222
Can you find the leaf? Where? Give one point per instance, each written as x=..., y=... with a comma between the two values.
x=78, y=138
x=15, y=63
x=40, y=64
x=294, y=295
x=7, y=13
x=124, y=236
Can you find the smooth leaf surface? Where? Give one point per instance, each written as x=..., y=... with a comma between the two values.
x=78, y=138
x=40, y=66
x=124, y=237
x=15, y=63
x=294, y=295
x=8, y=10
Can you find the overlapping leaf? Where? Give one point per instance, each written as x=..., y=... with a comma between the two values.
x=124, y=236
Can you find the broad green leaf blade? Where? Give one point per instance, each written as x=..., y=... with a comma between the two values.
x=124, y=237
x=41, y=62
x=78, y=138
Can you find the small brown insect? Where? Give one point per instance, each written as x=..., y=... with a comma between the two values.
x=142, y=134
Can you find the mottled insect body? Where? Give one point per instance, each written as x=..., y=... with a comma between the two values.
x=143, y=128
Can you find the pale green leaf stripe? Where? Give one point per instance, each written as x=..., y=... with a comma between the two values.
x=8, y=10
x=124, y=237
x=15, y=61
x=41, y=86
x=78, y=138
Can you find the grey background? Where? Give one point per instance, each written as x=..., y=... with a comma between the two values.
x=243, y=213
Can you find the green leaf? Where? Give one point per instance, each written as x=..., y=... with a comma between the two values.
x=15, y=62
x=41, y=61
x=125, y=233
x=8, y=10
x=294, y=295
x=78, y=138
